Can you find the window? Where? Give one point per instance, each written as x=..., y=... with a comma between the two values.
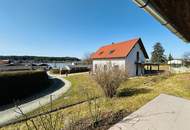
x=105, y=67
x=116, y=67
x=137, y=58
x=112, y=51
x=96, y=67
x=101, y=52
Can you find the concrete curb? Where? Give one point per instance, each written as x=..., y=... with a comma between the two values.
x=9, y=115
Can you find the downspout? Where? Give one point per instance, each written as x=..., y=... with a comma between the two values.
x=146, y=5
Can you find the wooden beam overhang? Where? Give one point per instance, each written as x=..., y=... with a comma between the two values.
x=174, y=14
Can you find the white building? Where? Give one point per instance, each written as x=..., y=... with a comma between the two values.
x=128, y=55
x=175, y=62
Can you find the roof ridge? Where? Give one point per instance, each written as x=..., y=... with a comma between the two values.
x=116, y=43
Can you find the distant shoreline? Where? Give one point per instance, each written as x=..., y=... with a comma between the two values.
x=39, y=58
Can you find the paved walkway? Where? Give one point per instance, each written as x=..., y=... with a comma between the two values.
x=162, y=113
x=10, y=115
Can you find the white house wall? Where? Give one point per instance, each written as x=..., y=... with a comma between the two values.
x=101, y=62
x=131, y=59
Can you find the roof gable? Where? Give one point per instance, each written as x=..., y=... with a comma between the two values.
x=118, y=50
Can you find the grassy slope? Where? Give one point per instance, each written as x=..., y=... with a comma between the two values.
x=81, y=84
x=139, y=91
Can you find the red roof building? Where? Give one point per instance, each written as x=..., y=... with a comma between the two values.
x=122, y=54
x=118, y=50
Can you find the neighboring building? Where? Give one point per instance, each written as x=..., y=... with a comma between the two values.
x=127, y=55
x=175, y=62
x=178, y=66
x=4, y=62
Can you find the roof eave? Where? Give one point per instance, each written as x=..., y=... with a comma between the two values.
x=145, y=4
x=143, y=49
x=109, y=58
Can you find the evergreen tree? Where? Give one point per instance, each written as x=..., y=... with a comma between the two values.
x=158, y=54
x=170, y=57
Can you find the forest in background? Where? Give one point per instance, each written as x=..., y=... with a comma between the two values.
x=38, y=58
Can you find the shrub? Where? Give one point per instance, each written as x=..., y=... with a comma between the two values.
x=58, y=120
x=75, y=69
x=110, y=79
x=54, y=71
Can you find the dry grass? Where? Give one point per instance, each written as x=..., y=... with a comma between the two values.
x=131, y=95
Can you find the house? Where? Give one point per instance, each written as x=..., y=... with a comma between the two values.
x=128, y=55
x=4, y=62
x=175, y=62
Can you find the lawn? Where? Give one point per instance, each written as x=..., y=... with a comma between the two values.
x=131, y=95
x=81, y=85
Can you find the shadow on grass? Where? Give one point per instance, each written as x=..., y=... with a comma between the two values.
x=125, y=92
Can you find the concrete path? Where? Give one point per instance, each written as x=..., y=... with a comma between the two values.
x=10, y=115
x=162, y=113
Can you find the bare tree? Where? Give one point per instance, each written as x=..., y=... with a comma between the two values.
x=87, y=58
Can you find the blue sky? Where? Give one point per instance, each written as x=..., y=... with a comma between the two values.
x=76, y=27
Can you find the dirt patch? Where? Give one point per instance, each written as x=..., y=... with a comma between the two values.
x=125, y=92
x=106, y=121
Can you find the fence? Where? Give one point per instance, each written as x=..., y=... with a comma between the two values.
x=181, y=69
x=47, y=112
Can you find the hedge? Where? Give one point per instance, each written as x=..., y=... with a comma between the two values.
x=21, y=84
x=73, y=70
x=54, y=71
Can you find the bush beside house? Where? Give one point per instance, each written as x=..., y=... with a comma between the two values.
x=72, y=69
x=109, y=80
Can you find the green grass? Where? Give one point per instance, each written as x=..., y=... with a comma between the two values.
x=81, y=84
x=132, y=94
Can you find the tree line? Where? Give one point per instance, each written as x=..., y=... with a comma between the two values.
x=38, y=58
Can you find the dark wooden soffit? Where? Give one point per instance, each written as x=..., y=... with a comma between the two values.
x=177, y=13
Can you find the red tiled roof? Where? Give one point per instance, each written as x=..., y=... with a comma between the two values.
x=118, y=50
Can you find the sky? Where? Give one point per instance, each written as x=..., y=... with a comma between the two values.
x=76, y=27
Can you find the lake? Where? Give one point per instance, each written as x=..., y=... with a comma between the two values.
x=59, y=65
